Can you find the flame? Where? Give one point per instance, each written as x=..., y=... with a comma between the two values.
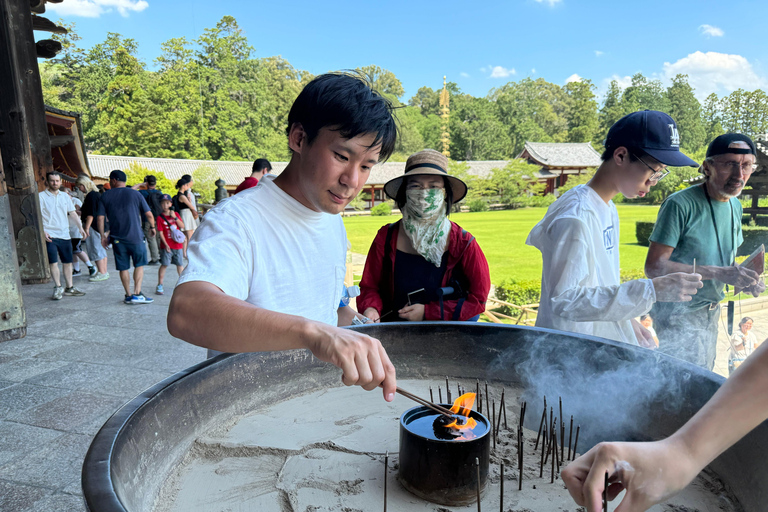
x=462, y=406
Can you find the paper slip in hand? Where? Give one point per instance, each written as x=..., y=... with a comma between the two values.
x=756, y=262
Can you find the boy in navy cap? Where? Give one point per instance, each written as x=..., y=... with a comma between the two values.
x=170, y=227
x=703, y=223
x=579, y=235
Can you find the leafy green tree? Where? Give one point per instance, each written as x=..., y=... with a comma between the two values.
x=516, y=180
x=427, y=100
x=476, y=131
x=205, y=178
x=409, y=138
x=574, y=180
x=383, y=81
x=644, y=94
x=135, y=173
x=611, y=111
x=685, y=109
x=581, y=111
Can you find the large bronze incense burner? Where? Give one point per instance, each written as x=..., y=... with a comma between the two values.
x=615, y=391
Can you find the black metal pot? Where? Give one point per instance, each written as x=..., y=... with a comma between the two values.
x=442, y=470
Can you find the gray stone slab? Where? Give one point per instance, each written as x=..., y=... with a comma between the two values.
x=74, y=412
x=31, y=345
x=16, y=438
x=91, y=352
x=51, y=465
x=6, y=383
x=182, y=356
x=60, y=502
x=75, y=487
x=18, y=497
x=22, y=397
x=120, y=381
x=21, y=369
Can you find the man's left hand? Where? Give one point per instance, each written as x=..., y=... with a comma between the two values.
x=757, y=288
x=412, y=313
x=83, y=234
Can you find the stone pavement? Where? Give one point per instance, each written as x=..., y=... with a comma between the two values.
x=83, y=358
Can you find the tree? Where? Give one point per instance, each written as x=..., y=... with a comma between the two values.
x=427, y=100
x=515, y=180
x=712, y=118
x=205, y=178
x=476, y=131
x=685, y=109
x=135, y=173
x=581, y=111
x=383, y=81
x=644, y=94
x=612, y=110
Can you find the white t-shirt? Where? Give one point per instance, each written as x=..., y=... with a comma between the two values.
x=74, y=225
x=580, y=286
x=55, y=208
x=264, y=247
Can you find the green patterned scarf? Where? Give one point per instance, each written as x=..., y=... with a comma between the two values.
x=426, y=223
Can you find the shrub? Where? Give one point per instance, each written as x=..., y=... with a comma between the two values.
x=753, y=237
x=631, y=275
x=381, y=209
x=477, y=205
x=205, y=178
x=643, y=232
x=518, y=293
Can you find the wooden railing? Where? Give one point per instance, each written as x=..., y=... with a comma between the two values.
x=524, y=317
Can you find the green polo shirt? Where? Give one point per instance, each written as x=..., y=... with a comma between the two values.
x=685, y=223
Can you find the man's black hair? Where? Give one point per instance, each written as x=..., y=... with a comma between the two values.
x=150, y=179
x=54, y=173
x=401, y=198
x=634, y=153
x=261, y=163
x=346, y=103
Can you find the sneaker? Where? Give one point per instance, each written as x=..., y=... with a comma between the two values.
x=159, y=290
x=76, y=272
x=153, y=263
x=99, y=277
x=92, y=271
x=127, y=299
x=57, y=293
x=141, y=299
x=73, y=292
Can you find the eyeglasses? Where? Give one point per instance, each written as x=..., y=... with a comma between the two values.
x=657, y=175
x=734, y=167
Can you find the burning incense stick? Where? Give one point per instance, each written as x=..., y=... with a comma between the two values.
x=440, y=394
x=431, y=396
x=479, y=398
x=437, y=408
x=458, y=389
x=498, y=420
x=487, y=396
x=541, y=425
x=477, y=466
x=520, y=458
x=504, y=408
x=605, y=494
x=447, y=390
x=493, y=424
x=552, y=447
x=501, y=492
x=541, y=463
x=570, y=436
x=386, y=470
x=522, y=415
x=562, y=430
x=578, y=427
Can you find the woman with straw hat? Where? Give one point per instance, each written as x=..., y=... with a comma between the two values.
x=412, y=261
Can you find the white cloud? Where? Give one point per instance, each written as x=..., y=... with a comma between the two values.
x=573, y=78
x=533, y=71
x=720, y=73
x=550, y=3
x=464, y=75
x=95, y=8
x=598, y=53
x=501, y=72
x=711, y=31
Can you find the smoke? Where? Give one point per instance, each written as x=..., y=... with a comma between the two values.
x=614, y=393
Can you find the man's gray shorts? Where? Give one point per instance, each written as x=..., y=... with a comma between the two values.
x=93, y=246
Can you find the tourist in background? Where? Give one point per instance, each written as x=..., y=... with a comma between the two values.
x=88, y=211
x=186, y=205
x=170, y=227
x=411, y=260
x=56, y=208
x=260, y=167
x=125, y=208
x=743, y=343
x=75, y=230
x=647, y=322
x=151, y=194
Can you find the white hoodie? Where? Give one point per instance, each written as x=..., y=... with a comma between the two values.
x=580, y=287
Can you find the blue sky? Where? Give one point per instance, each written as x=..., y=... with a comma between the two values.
x=479, y=45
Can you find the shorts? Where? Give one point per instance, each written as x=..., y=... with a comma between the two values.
x=93, y=247
x=172, y=257
x=189, y=220
x=126, y=251
x=76, y=245
x=59, y=247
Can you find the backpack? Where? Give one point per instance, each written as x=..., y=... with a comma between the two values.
x=153, y=200
x=176, y=234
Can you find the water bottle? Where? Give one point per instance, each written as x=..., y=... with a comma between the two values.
x=347, y=293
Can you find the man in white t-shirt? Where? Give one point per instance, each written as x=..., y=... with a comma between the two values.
x=266, y=267
x=57, y=209
x=578, y=238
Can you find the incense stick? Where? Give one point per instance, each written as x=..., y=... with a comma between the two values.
x=447, y=391
x=440, y=394
x=430, y=405
x=501, y=492
x=477, y=465
x=477, y=392
x=570, y=436
x=605, y=494
x=431, y=396
x=694, y=266
x=541, y=425
x=493, y=424
x=386, y=470
x=520, y=458
x=578, y=427
x=552, y=447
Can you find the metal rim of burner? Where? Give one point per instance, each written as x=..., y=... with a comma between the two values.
x=443, y=471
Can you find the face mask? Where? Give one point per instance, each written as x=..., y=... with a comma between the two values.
x=425, y=223
x=425, y=204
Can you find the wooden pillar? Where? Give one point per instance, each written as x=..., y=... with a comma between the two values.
x=13, y=319
x=23, y=137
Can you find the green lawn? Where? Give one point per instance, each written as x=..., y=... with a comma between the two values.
x=502, y=236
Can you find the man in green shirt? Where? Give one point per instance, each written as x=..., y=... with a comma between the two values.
x=703, y=223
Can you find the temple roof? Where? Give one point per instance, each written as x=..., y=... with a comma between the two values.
x=561, y=154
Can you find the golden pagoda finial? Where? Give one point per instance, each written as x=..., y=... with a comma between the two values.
x=445, y=136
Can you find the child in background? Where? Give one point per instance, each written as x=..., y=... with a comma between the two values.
x=171, y=251
x=647, y=322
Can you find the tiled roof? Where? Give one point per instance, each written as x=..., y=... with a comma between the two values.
x=234, y=172
x=562, y=154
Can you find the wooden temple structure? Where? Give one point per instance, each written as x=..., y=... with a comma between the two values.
x=26, y=141
x=558, y=160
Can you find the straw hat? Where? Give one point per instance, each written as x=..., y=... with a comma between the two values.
x=427, y=162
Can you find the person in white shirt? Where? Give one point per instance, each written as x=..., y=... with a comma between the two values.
x=57, y=209
x=266, y=267
x=579, y=236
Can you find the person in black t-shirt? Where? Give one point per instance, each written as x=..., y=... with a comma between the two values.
x=88, y=212
x=151, y=194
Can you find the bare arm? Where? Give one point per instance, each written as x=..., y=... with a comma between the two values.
x=100, y=229
x=88, y=222
x=652, y=472
x=203, y=315
x=75, y=217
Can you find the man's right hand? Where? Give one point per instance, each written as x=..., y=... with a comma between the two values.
x=740, y=277
x=47, y=237
x=105, y=241
x=362, y=359
x=677, y=287
x=373, y=314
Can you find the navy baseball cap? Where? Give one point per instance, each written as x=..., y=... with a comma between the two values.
x=165, y=197
x=118, y=175
x=652, y=131
x=728, y=143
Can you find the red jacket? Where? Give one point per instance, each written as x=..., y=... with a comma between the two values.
x=463, y=251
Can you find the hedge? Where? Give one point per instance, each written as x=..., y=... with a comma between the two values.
x=753, y=236
x=381, y=209
x=518, y=293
